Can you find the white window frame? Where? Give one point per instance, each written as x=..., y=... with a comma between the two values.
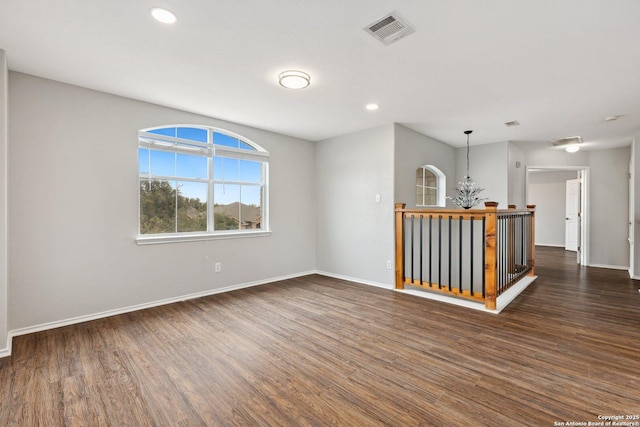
x=441, y=185
x=158, y=142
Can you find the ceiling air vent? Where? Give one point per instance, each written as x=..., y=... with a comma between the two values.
x=390, y=28
x=563, y=142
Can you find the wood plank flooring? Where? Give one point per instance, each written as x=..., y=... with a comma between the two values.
x=317, y=351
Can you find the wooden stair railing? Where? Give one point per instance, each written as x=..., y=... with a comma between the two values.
x=438, y=249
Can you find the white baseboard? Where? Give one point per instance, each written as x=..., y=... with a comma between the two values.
x=354, y=279
x=80, y=319
x=551, y=245
x=613, y=267
x=501, y=302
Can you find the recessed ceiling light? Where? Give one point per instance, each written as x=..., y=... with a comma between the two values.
x=293, y=79
x=163, y=15
x=372, y=107
x=611, y=118
x=572, y=148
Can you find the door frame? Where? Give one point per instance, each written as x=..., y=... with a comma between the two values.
x=583, y=174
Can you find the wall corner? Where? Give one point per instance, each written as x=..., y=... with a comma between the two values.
x=4, y=139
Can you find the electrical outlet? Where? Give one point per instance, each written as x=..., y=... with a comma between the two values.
x=218, y=267
x=389, y=266
x=377, y=198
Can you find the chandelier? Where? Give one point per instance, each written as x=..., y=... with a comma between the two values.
x=466, y=191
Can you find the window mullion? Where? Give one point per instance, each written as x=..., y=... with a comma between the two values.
x=222, y=181
x=424, y=186
x=264, y=199
x=210, y=195
x=173, y=178
x=175, y=170
x=240, y=210
x=176, y=210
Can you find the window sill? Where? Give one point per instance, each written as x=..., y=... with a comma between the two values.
x=195, y=237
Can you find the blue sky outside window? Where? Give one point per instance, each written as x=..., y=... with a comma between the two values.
x=193, y=190
x=225, y=194
x=250, y=171
x=164, y=131
x=226, y=140
x=163, y=163
x=191, y=166
x=193, y=134
x=250, y=195
x=226, y=169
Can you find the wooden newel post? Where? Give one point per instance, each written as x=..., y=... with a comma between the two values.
x=490, y=255
x=400, y=245
x=532, y=239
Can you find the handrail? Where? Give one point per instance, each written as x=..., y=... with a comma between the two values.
x=506, y=241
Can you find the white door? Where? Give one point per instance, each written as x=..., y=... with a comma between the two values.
x=572, y=217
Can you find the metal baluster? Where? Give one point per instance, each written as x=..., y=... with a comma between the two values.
x=421, y=219
x=529, y=241
x=439, y=251
x=484, y=261
x=512, y=256
x=471, y=256
x=523, y=218
x=502, y=255
x=430, y=282
x=412, y=216
x=460, y=256
x=450, y=244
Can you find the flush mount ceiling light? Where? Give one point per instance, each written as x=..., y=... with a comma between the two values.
x=293, y=79
x=372, y=107
x=571, y=143
x=163, y=15
x=572, y=148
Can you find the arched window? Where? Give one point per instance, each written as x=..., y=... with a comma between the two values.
x=197, y=180
x=430, y=186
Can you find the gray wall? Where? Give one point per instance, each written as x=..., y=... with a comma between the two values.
x=73, y=210
x=608, y=198
x=547, y=190
x=355, y=236
x=4, y=72
x=609, y=184
x=634, y=258
x=517, y=176
x=413, y=150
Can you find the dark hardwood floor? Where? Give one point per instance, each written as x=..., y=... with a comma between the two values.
x=319, y=351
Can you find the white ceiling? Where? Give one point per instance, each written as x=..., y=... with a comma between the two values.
x=557, y=66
